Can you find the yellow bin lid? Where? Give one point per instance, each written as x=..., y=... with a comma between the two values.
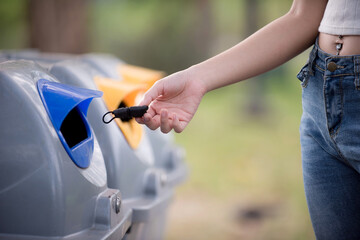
x=120, y=92
x=139, y=75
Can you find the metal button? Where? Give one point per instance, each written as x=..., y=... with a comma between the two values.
x=331, y=66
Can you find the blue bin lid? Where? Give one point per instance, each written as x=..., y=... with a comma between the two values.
x=59, y=100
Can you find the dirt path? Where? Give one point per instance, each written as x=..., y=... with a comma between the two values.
x=201, y=216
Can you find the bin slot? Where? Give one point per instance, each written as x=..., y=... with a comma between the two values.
x=67, y=108
x=122, y=105
x=73, y=128
x=118, y=94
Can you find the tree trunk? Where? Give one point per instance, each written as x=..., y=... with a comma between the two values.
x=203, y=27
x=58, y=25
x=256, y=102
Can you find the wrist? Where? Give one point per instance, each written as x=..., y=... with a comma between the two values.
x=197, y=77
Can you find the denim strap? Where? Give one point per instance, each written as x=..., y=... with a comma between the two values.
x=357, y=71
x=312, y=58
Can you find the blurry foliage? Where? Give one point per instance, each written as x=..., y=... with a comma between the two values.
x=149, y=33
x=13, y=21
x=173, y=35
x=166, y=35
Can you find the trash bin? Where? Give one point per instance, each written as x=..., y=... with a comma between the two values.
x=53, y=179
x=167, y=155
x=133, y=168
x=144, y=165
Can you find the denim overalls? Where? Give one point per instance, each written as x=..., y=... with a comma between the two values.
x=330, y=143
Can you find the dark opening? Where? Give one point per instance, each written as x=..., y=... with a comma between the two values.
x=73, y=128
x=128, y=231
x=122, y=105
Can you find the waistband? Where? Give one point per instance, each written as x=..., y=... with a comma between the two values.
x=333, y=65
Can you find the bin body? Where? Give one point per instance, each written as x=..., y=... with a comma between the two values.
x=43, y=193
x=147, y=174
x=134, y=171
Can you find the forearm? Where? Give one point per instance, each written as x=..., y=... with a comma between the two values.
x=266, y=49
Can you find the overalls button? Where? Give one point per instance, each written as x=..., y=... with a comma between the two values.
x=331, y=66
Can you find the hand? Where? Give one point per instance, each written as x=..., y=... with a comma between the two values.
x=172, y=102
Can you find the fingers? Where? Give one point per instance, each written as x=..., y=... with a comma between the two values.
x=140, y=120
x=150, y=114
x=164, y=121
x=151, y=122
x=177, y=126
x=148, y=98
x=167, y=123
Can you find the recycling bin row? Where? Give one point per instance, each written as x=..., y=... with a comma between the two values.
x=64, y=174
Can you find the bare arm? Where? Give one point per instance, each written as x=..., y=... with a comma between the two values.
x=266, y=49
x=174, y=100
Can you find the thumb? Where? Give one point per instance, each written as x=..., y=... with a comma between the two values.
x=154, y=92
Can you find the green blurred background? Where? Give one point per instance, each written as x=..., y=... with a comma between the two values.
x=242, y=147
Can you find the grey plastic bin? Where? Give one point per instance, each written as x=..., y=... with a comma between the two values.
x=44, y=194
x=146, y=176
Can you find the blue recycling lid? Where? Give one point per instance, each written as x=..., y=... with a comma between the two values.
x=67, y=108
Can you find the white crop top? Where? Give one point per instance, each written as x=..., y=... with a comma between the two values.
x=341, y=17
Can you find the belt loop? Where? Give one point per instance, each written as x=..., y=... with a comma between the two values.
x=312, y=58
x=357, y=72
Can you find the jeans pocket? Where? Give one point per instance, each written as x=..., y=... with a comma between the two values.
x=304, y=75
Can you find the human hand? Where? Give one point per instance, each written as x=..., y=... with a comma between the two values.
x=172, y=102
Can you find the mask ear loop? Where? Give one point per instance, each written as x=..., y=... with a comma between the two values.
x=103, y=118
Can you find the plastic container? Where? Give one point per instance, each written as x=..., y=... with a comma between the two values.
x=53, y=179
x=144, y=165
x=129, y=153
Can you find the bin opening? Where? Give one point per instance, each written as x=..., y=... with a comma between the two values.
x=118, y=94
x=73, y=128
x=122, y=105
x=67, y=108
